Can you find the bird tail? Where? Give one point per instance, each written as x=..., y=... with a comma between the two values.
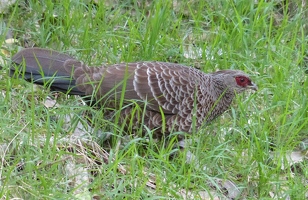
x=45, y=67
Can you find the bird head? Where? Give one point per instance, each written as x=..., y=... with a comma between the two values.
x=236, y=80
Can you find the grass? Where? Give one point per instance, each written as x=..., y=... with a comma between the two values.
x=249, y=145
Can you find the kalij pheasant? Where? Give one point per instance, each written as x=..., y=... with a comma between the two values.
x=185, y=96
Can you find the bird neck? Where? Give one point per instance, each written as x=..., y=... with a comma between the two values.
x=222, y=92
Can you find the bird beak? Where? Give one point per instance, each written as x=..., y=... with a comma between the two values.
x=253, y=86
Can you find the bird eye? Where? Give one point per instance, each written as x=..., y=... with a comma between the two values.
x=242, y=81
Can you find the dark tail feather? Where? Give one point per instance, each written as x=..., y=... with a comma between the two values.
x=44, y=67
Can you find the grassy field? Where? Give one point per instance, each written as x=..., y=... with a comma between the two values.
x=257, y=150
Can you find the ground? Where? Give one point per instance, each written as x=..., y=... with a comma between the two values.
x=256, y=150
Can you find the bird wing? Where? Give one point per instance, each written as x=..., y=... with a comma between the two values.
x=163, y=85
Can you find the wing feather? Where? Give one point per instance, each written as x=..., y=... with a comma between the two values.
x=167, y=86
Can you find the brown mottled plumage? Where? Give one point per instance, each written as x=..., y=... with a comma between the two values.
x=180, y=92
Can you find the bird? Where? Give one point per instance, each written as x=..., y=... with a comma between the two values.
x=172, y=97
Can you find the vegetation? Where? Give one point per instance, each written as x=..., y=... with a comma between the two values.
x=255, y=151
